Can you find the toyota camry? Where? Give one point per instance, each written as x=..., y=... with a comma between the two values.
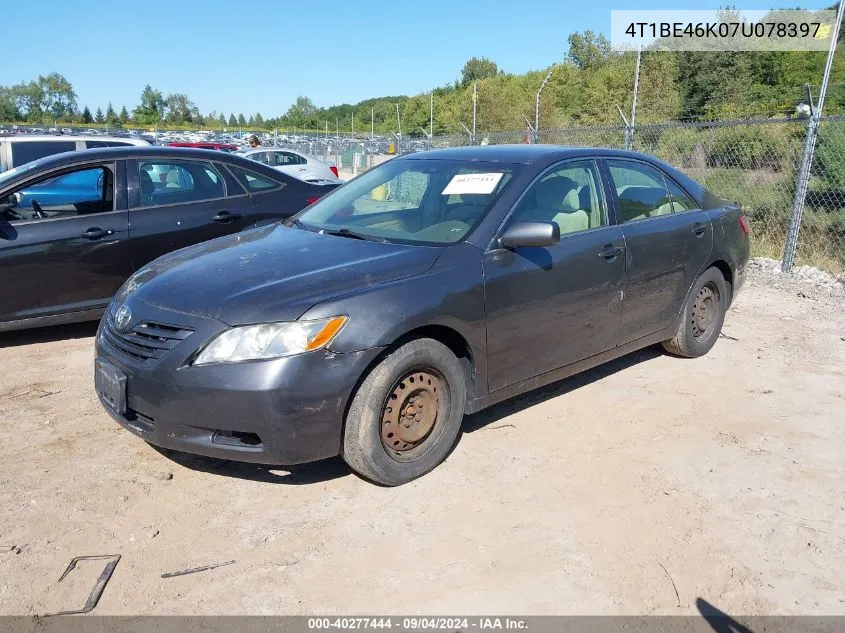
x=430, y=287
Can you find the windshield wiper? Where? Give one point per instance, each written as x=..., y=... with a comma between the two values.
x=294, y=222
x=344, y=232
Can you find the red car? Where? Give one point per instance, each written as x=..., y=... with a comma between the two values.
x=225, y=147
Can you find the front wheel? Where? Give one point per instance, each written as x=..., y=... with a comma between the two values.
x=703, y=316
x=406, y=415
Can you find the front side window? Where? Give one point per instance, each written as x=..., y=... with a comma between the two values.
x=640, y=189
x=412, y=201
x=25, y=152
x=265, y=158
x=173, y=182
x=79, y=192
x=570, y=196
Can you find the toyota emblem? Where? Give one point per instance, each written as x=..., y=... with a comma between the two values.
x=122, y=318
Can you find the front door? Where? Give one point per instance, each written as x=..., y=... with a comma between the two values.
x=64, y=243
x=549, y=307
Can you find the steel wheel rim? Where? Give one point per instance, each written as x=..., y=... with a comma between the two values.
x=411, y=410
x=705, y=310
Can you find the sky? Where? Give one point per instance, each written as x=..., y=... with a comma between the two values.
x=259, y=55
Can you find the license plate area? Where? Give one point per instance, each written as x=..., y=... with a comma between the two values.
x=110, y=384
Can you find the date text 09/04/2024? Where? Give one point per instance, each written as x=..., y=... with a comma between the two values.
x=419, y=623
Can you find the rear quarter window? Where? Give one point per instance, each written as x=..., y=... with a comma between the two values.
x=26, y=152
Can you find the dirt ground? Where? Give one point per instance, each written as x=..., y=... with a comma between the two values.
x=638, y=488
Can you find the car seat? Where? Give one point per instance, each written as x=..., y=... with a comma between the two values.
x=556, y=199
x=147, y=188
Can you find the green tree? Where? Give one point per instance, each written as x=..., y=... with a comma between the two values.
x=99, y=118
x=588, y=50
x=259, y=120
x=58, y=96
x=86, y=115
x=477, y=68
x=123, y=116
x=152, y=107
x=8, y=108
x=222, y=120
x=179, y=109
x=233, y=122
x=241, y=120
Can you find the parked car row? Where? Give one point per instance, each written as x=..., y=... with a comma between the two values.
x=74, y=226
x=368, y=324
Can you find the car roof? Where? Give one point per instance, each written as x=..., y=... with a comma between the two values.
x=32, y=138
x=68, y=159
x=522, y=153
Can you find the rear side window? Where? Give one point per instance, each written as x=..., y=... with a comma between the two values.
x=255, y=182
x=178, y=182
x=641, y=191
x=25, y=152
x=680, y=200
x=95, y=144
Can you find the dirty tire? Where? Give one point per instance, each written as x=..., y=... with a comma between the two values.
x=703, y=316
x=397, y=379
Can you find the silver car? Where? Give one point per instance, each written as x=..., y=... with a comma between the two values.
x=18, y=149
x=293, y=163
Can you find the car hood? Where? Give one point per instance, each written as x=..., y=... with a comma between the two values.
x=273, y=273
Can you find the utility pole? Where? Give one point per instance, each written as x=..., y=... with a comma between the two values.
x=537, y=104
x=474, y=107
x=372, y=123
x=399, y=137
x=791, y=247
x=630, y=139
x=353, y=124
x=431, y=116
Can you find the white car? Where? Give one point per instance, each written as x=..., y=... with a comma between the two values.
x=293, y=163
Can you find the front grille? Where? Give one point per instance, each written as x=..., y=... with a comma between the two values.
x=146, y=342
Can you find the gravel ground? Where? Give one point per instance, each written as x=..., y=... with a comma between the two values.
x=635, y=488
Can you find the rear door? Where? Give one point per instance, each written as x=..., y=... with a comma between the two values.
x=64, y=241
x=668, y=241
x=176, y=203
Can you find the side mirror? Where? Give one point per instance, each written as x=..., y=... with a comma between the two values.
x=13, y=199
x=530, y=234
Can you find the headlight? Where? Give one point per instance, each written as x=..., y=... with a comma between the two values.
x=269, y=340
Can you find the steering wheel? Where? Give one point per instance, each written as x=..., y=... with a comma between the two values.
x=39, y=213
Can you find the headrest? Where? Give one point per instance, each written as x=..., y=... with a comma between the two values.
x=147, y=187
x=555, y=193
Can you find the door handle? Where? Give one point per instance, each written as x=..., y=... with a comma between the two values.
x=96, y=233
x=226, y=217
x=699, y=229
x=611, y=252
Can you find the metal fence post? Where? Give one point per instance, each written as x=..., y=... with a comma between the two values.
x=791, y=246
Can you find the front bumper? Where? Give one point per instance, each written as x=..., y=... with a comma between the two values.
x=281, y=411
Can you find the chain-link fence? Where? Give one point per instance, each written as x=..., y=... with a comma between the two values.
x=754, y=163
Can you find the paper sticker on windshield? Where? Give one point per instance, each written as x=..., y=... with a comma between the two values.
x=472, y=183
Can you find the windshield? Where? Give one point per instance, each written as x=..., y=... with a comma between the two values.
x=11, y=173
x=412, y=201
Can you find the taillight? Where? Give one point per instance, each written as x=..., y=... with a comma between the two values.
x=312, y=199
x=745, y=224
x=334, y=170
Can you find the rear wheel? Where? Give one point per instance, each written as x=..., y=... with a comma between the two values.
x=703, y=316
x=406, y=414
